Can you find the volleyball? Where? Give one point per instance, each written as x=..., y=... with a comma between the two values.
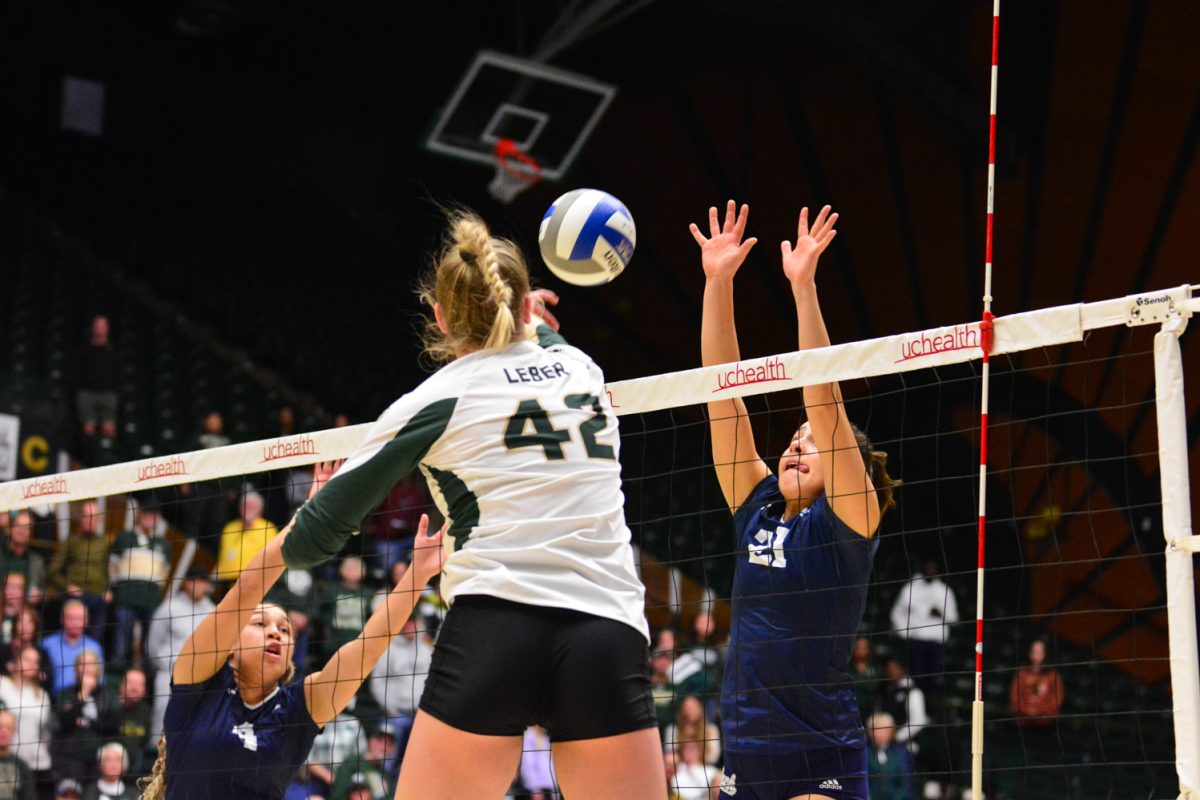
x=587, y=237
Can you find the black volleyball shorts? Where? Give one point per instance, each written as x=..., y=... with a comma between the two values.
x=501, y=666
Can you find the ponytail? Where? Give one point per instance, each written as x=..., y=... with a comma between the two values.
x=480, y=282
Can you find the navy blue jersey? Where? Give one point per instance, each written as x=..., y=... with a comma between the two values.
x=218, y=748
x=799, y=592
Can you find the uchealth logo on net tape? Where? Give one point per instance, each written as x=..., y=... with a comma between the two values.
x=50, y=486
x=960, y=337
x=286, y=448
x=773, y=369
x=162, y=469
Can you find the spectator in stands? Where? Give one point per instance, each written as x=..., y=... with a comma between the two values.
x=206, y=509
x=368, y=771
x=99, y=379
x=21, y=691
x=923, y=609
x=114, y=763
x=537, y=768
x=1036, y=694
x=78, y=712
x=399, y=678
x=14, y=601
x=345, y=606
x=693, y=779
x=70, y=789
x=904, y=701
x=127, y=719
x=16, y=779
x=64, y=647
x=338, y=742
x=79, y=569
x=691, y=726
x=865, y=676
x=395, y=521
x=17, y=557
x=661, y=687
x=243, y=538
x=707, y=649
x=26, y=632
x=889, y=764
x=138, y=565
x=173, y=624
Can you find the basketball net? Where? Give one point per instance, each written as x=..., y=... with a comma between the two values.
x=516, y=171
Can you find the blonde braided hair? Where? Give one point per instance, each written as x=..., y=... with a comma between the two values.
x=480, y=282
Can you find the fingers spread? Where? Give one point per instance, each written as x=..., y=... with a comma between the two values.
x=730, y=213
x=714, y=225
x=697, y=235
x=802, y=225
x=739, y=227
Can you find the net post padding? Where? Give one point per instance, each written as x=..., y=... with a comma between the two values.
x=1177, y=528
x=889, y=355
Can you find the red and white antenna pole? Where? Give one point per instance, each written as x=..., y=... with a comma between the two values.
x=986, y=343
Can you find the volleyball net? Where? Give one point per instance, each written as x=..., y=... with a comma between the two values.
x=1088, y=556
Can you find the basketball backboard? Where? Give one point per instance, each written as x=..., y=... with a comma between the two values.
x=547, y=112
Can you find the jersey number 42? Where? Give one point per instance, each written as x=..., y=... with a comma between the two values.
x=530, y=414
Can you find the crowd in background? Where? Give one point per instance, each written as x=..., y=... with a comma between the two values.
x=91, y=626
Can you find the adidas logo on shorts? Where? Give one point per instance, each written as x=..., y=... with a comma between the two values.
x=832, y=783
x=729, y=784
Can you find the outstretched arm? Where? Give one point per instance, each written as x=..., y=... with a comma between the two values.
x=735, y=458
x=208, y=647
x=327, y=692
x=848, y=485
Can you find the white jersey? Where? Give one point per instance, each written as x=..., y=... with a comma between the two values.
x=520, y=447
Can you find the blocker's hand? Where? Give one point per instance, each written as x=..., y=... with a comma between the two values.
x=322, y=472
x=800, y=262
x=428, y=554
x=723, y=252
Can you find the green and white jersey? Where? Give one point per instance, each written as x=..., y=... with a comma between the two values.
x=520, y=448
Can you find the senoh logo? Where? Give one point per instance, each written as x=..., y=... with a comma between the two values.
x=960, y=337
x=300, y=446
x=1152, y=301
x=773, y=369
x=55, y=485
x=162, y=469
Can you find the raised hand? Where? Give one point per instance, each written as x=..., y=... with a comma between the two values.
x=428, y=554
x=800, y=262
x=541, y=299
x=322, y=472
x=724, y=251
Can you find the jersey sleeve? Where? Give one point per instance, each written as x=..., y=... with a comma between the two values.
x=394, y=445
x=548, y=337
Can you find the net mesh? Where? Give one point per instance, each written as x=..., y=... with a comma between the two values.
x=1075, y=562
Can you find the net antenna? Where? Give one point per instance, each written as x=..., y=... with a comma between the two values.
x=516, y=171
x=986, y=338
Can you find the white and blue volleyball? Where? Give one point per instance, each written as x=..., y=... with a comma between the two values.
x=587, y=237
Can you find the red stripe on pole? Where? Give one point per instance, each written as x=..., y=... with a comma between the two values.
x=992, y=140
x=995, y=40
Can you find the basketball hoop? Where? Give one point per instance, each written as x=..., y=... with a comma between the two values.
x=516, y=171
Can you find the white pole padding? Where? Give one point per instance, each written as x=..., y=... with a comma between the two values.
x=1177, y=527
